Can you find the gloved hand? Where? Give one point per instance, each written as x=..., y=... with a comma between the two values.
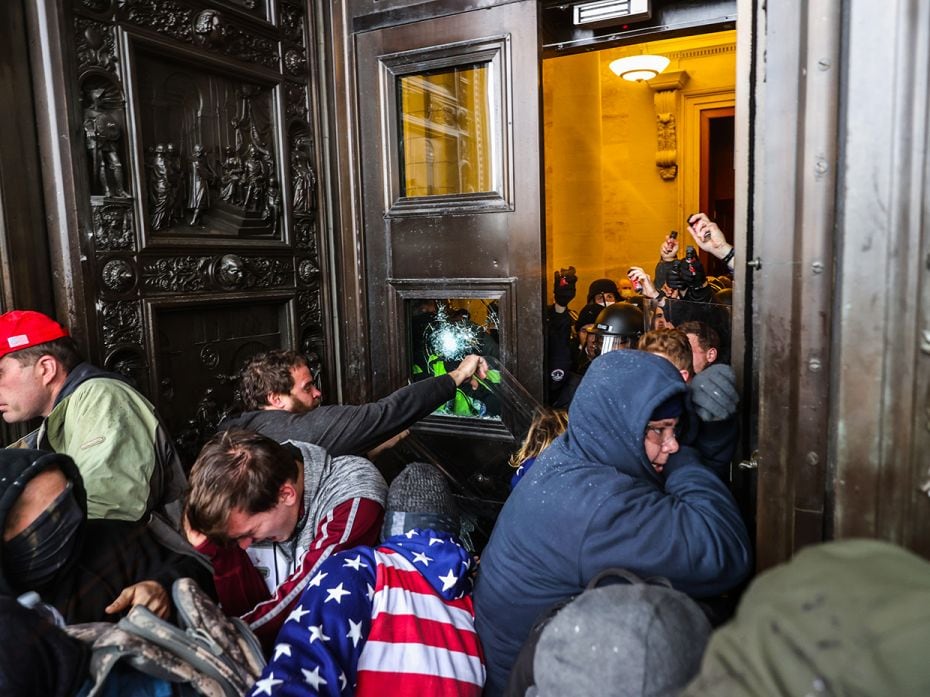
x=713, y=393
x=692, y=270
x=564, y=287
x=687, y=273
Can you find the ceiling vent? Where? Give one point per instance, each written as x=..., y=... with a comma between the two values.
x=605, y=13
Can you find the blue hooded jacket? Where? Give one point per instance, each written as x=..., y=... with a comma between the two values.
x=593, y=501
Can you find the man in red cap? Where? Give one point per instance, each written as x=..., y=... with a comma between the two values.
x=124, y=454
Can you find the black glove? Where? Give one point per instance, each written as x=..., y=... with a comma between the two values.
x=687, y=273
x=713, y=393
x=564, y=288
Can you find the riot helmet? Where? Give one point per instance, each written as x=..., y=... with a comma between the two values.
x=618, y=326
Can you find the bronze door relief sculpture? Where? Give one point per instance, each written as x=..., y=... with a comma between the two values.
x=198, y=128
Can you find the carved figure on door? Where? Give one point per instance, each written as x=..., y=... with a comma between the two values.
x=160, y=192
x=232, y=176
x=103, y=134
x=272, y=210
x=201, y=175
x=253, y=179
x=303, y=181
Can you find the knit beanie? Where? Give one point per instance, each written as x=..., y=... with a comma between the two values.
x=622, y=640
x=419, y=497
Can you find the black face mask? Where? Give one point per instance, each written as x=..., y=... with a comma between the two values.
x=33, y=557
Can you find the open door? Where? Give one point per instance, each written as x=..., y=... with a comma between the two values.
x=448, y=112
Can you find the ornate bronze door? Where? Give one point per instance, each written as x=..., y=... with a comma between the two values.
x=450, y=170
x=192, y=167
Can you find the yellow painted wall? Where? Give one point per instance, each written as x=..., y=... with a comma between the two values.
x=607, y=208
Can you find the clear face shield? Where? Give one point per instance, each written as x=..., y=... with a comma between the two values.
x=605, y=343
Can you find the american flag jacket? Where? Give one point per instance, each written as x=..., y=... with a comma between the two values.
x=395, y=620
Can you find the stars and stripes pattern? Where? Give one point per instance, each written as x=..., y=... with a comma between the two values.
x=395, y=620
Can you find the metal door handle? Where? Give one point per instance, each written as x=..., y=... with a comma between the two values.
x=752, y=463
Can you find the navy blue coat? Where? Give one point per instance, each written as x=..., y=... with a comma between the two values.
x=593, y=501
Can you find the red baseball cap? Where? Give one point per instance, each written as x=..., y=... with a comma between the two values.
x=21, y=329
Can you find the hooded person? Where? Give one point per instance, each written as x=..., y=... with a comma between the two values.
x=603, y=292
x=395, y=619
x=615, y=490
x=89, y=570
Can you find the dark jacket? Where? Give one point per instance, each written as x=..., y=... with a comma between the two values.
x=593, y=501
x=109, y=555
x=347, y=429
x=715, y=441
x=37, y=658
x=559, y=354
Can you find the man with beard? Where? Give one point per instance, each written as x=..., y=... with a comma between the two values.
x=282, y=401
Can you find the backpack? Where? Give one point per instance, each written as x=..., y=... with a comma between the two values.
x=216, y=656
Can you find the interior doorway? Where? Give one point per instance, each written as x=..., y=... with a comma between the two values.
x=717, y=175
x=627, y=162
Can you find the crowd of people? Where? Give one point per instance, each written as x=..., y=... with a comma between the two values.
x=615, y=567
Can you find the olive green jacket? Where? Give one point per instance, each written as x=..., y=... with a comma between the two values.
x=842, y=619
x=129, y=464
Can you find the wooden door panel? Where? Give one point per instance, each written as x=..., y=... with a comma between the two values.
x=450, y=171
x=489, y=234
x=200, y=348
x=196, y=171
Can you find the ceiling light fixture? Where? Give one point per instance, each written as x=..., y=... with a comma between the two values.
x=639, y=68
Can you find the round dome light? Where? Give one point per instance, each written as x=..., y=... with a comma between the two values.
x=639, y=68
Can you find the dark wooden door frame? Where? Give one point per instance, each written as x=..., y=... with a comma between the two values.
x=64, y=186
x=880, y=396
x=25, y=282
x=706, y=116
x=364, y=377
x=118, y=274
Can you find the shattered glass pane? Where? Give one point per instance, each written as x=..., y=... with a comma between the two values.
x=442, y=331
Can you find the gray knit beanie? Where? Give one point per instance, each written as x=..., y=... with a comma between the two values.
x=419, y=497
x=621, y=641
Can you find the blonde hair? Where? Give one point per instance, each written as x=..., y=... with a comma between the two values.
x=671, y=344
x=548, y=424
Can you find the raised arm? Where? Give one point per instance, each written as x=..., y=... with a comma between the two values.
x=709, y=237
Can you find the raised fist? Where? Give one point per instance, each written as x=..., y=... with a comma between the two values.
x=564, y=286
